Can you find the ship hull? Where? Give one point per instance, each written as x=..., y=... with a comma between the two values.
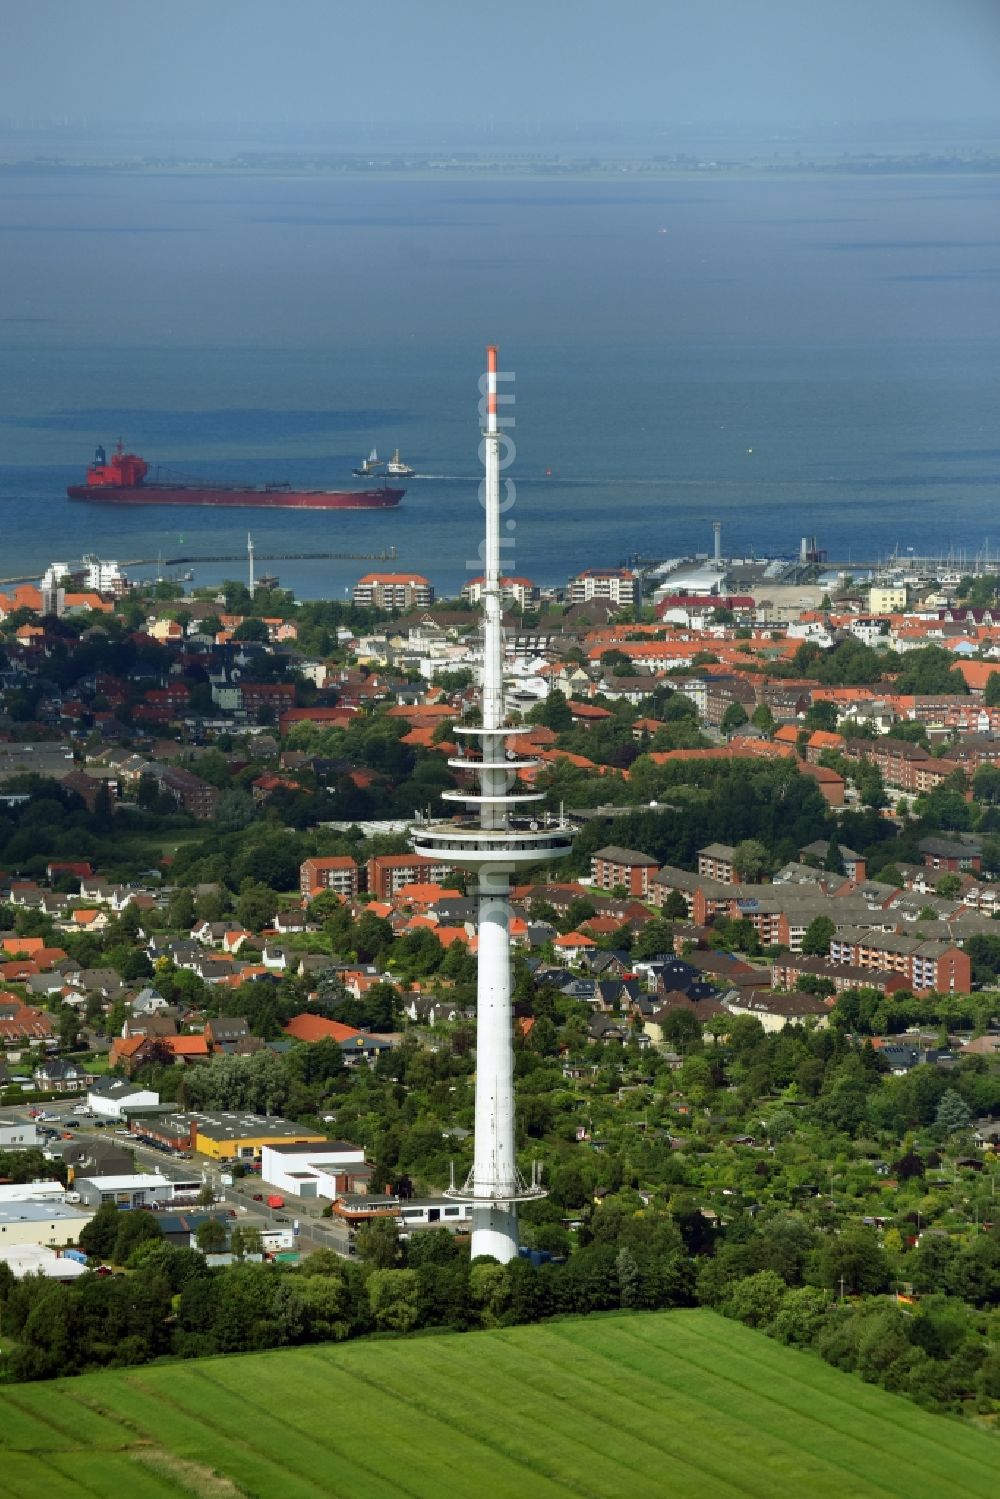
x=258, y=499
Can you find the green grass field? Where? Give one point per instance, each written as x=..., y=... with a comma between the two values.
x=672, y=1403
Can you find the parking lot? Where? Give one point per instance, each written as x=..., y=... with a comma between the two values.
x=70, y=1118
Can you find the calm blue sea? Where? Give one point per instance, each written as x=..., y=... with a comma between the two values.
x=847, y=331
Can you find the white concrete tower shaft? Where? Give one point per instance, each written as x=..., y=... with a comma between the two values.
x=494, y=1221
x=504, y=832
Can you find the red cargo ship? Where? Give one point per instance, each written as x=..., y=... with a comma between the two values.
x=123, y=482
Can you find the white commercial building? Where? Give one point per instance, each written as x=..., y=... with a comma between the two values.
x=18, y=1134
x=137, y=1191
x=31, y=1222
x=38, y=1259
x=435, y=1213
x=37, y=1191
x=274, y=1240
x=695, y=582
x=109, y=1100
x=311, y=1171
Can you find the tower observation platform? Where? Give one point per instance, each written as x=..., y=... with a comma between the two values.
x=501, y=834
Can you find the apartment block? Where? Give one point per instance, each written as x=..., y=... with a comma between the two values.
x=612, y=867
x=388, y=873
x=925, y=965
x=616, y=584
x=715, y=862
x=521, y=592
x=338, y=874
x=393, y=591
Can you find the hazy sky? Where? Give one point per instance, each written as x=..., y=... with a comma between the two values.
x=545, y=61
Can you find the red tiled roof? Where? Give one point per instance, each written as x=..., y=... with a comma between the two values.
x=977, y=673
x=588, y=710
x=424, y=891
x=23, y=946
x=185, y=1046
x=446, y=935
x=317, y=1028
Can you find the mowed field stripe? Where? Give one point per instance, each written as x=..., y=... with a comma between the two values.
x=724, y=1350
x=44, y=1425
x=592, y=1439
x=25, y=1431
x=326, y=1399
x=630, y=1404
x=552, y=1460
x=104, y=1474
x=465, y=1453
x=733, y=1340
x=633, y=1420
x=812, y=1454
x=277, y=1467
x=148, y=1402
x=30, y=1475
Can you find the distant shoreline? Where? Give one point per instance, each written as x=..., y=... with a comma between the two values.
x=495, y=169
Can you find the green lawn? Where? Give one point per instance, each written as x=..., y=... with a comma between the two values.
x=670, y=1403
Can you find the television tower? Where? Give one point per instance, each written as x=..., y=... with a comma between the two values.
x=495, y=840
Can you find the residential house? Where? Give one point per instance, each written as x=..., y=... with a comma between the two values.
x=775, y=1011
x=225, y=1031
x=62, y=1075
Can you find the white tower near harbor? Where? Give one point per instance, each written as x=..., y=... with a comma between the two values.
x=499, y=835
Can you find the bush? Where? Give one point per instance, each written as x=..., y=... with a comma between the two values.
x=756, y=1299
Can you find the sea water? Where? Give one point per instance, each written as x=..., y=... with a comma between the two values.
x=790, y=355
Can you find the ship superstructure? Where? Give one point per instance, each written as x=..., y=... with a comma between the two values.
x=397, y=469
x=370, y=467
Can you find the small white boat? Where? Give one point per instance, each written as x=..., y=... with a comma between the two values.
x=397, y=469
